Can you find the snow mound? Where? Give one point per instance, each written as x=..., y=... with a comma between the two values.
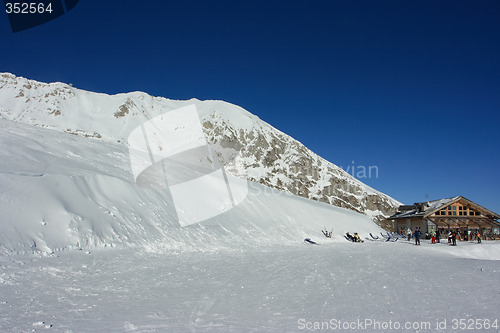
x=60, y=191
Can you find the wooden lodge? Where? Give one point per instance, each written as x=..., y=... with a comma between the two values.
x=457, y=213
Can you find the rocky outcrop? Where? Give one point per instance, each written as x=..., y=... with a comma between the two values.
x=276, y=160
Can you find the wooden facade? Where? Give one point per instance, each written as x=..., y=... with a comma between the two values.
x=456, y=213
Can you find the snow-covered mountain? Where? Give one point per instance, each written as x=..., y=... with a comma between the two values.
x=67, y=179
x=268, y=156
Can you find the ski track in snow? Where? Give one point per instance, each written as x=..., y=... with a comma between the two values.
x=267, y=290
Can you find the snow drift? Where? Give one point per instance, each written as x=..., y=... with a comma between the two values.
x=66, y=180
x=60, y=191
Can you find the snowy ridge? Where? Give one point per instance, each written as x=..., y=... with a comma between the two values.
x=270, y=157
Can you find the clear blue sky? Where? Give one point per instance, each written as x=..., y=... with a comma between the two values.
x=411, y=87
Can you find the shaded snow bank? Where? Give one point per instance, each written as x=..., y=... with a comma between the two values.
x=59, y=191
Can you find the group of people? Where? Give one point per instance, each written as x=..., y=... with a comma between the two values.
x=434, y=235
x=353, y=238
x=471, y=234
x=416, y=235
x=452, y=236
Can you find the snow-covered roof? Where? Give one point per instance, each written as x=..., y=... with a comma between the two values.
x=425, y=209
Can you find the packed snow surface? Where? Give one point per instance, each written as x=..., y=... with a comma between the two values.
x=281, y=288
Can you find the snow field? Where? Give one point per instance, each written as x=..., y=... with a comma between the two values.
x=273, y=289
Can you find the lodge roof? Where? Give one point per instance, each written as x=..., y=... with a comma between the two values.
x=426, y=209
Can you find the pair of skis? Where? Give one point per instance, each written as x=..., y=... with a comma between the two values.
x=326, y=233
x=309, y=241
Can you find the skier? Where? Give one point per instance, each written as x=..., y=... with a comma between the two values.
x=438, y=235
x=326, y=233
x=478, y=237
x=417, y=236
x=433, y=237
x=408, y=233
x=454, y=238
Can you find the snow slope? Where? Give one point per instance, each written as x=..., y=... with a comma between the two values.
x=61, y=191
x=269, y=156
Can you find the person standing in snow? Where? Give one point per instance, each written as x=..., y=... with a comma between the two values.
x=433, y=237
x=454, y=238
x=438, y=235
x=478, y=237
x=417, y=236
x=408, y=233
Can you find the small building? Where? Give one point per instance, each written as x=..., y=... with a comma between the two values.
x=457, y=213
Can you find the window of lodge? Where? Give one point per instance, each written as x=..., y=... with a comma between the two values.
x=460, y=211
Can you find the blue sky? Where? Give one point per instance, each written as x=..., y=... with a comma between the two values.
x=409, y=87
